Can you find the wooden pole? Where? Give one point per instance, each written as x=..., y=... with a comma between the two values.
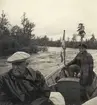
x=64, y=54
x=64, y=47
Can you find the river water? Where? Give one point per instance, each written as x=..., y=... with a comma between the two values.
x=49, y=61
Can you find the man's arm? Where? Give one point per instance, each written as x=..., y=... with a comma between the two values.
x=73, y=61
x=91, y=65
x=91, y=62
x=40, y=81
x=1, y=84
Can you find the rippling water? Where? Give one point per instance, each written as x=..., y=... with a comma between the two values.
x=49, y=61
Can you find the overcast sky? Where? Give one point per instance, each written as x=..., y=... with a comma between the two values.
x=53, y=16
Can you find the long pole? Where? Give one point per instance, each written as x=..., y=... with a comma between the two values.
x=64, y=47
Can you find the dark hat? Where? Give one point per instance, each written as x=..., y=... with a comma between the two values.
x=82, y=45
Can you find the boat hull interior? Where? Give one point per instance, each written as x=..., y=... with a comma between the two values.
x=70, y=88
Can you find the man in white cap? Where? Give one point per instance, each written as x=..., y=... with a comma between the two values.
x=20, y=85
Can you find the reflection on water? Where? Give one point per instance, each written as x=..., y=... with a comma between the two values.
x=46, y=62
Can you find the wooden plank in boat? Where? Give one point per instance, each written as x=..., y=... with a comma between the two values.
x=69, y=79
x=93, y=88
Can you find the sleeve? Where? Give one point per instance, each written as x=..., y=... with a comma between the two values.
x=73, y=61
x=91, y=62
x=91, y=65
x=40, y=81
x=1, y=83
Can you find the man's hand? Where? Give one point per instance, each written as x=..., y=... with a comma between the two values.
x=79, y=75
x=64, y=68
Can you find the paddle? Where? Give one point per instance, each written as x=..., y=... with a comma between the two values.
x=63, y=57
x=63, y=48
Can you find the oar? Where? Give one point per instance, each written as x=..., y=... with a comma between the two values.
x=64, y=54
x=64, y=47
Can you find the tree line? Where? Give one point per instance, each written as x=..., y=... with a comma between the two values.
x=45, y=41
x=21, y=38
x=73, y=43
x=14, y=38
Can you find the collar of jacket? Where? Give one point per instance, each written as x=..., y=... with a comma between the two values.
x=83, y=52
x=30, y=74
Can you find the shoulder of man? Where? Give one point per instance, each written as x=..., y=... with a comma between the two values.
x=4, y=76
x=35, y=73
x=39, y=75
x=78, y=54
x=32, y=72
x=88, y=54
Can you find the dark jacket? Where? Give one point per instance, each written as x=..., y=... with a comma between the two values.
x=85, y=61
x=23, y=90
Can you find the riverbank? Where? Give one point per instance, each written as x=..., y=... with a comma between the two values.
x=48, y=61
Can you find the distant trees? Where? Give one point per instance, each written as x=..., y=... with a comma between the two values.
x=23, y=34
x=6, y=42
x=16, y=30
x=91, y=43
x=74, y=38
x=45, y=41
x=93, y=39
x=13, y=38
x=4, y=25
x=81, y=31
x=28, y=27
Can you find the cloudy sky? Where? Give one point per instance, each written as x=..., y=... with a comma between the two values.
x=53, y=16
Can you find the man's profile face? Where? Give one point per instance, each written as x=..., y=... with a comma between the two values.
x=82, y=49
x=18, y=68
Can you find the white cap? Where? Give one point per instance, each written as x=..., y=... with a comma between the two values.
x=92, y=101
x=18, y=57
x=57, y=98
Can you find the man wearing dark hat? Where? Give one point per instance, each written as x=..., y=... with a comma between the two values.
x=85, y=61
x=21, y=85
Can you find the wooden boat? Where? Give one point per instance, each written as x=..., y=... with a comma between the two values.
x=70, y=87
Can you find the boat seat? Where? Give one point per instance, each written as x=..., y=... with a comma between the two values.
x=42, y=101
x=70, y=89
